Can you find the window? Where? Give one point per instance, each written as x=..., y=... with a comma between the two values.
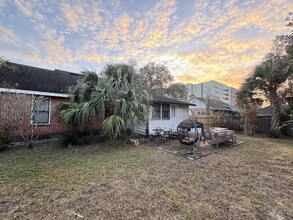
x=156, y=111
x=161, y=111
x=165, y=111
x=41, y=111
x=173, y=113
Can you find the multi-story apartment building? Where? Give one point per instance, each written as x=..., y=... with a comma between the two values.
x=215, y=90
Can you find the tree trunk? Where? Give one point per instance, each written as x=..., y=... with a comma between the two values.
x=245, y=127
x=275, y=110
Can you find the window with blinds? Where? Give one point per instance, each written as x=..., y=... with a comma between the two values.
x=41, y=111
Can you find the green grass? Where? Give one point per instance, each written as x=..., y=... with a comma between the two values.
x=106, y=181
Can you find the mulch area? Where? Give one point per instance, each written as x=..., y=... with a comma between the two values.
x=202, y=149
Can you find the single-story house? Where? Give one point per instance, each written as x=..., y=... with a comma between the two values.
x=215, y=106
x=30, y=81
x=53, y=86
x=165, y=113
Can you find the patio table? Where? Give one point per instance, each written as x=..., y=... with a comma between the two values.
x=162, y=134
x=216, y=136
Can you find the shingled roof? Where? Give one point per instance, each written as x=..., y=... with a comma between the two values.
x=52, y=81
x=38, y=79
x=266, y=111
x=216, y=104
x=167, y=100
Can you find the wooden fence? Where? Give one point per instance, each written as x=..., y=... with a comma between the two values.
x=236, y=123
x=263, y=124
x=207, y=120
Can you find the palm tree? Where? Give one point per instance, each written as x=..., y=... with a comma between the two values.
x=112, y=98
x=269, y=77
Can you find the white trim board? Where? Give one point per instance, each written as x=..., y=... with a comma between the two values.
x=30, y=92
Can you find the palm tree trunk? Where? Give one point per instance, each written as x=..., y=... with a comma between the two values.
x=275, y=110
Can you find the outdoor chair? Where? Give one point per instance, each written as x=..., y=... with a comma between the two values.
x=158, y=132
x=166, y=136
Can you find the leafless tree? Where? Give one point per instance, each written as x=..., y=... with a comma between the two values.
x=18, y=112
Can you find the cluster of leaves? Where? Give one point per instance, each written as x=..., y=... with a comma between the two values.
x=275, y=133
x=249, y=107
x=111, y=97
x=4, y=63
x=158, y=80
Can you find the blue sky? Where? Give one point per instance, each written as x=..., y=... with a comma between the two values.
x=199, y=40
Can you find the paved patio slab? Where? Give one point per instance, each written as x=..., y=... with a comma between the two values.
x=204, y=149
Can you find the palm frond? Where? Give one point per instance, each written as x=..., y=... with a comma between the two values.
x=112, y=97
x=112, y=127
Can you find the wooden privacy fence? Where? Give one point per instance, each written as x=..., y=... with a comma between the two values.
x=207, y=120
x=263, y=124
x=233, y=123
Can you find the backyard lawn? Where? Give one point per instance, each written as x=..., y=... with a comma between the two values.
x=107, y=181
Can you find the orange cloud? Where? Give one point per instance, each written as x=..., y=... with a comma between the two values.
x=57, y=54
x=123, y=23
x=95, y=57
x=80, y=16
x=225, y=60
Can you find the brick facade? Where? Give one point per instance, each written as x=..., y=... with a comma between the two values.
x=18, y=112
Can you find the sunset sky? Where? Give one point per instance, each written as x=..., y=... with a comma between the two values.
x=199, y=40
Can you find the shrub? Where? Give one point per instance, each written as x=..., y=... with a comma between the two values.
x=69, y=140
x=74, y=139
x=275, y=133
x=4, y=142
x=5, y=135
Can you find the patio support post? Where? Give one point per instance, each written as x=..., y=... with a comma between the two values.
x=147, y=132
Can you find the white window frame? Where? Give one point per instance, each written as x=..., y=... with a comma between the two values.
x=173, y=111
x=157, y=118
x=49, y=112
x=161, y=111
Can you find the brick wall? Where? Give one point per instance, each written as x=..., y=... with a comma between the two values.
x=16, y=108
